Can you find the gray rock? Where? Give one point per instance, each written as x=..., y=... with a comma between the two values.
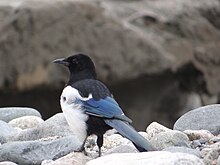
x=7, y=163
x=54, y=126
x=122, y=149
x=34, y=152
x=170, y=138
x=6, y=129
x=26, y=122
x=203, y=118
x=155, y=128
x=9, y=113
x=147, y=158
x=211, y=156
x=74, y=158
x=186, y=150
x=198, y=134
x=218, y=161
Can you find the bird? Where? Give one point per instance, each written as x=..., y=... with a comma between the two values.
x=89, y=106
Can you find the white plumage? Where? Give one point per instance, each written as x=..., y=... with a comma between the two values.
x=73, y=112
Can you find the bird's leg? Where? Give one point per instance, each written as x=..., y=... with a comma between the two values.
x=82, y=147
x=100, y=143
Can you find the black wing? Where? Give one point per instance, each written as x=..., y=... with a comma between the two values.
x=91, y=86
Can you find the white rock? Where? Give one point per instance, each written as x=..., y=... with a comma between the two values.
x=155, y=128
x=198, y=134
x=74, y=158
x=147, y=158
x=170, y=138
x=26, y=122
x=7, y=163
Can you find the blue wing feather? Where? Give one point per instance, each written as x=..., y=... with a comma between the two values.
x=107, y=108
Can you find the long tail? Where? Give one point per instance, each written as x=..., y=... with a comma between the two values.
x=130, y=133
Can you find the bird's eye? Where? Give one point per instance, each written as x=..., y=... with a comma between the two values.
x=64, y=98
x=75, y=61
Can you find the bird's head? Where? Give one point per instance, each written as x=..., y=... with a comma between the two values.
x=78, y=64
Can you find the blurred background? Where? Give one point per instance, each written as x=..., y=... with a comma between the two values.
x=160, y=58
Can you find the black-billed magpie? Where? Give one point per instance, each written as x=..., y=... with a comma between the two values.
x=89, y=106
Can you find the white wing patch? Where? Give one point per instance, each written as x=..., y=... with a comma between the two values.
x=73, y=112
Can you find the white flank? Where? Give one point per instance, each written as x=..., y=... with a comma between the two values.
x=73, y=112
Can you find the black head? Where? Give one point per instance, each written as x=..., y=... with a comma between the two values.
x=79, y=65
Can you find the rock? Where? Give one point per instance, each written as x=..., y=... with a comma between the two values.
x=9, y=113
x=186, y=150
x=7, y=163
x=122, y=149
x=70, y=159
x=155, y=128
x=211, y=157
x=54, y=126
x=203, y=118
x=218, y=161
x=147, y=158
x=34, y=152
x=172, y=37
x=26, y=122
x=198, y=134
x=6, y=130
x=170, y=138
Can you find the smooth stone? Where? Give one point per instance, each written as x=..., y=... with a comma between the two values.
x=203, y=118
x=122, y=149
x=9, y=113
x=198, y=134
x=6, y=129
x=74, y=158
x=7, y=163
x=25, y=122
x=147, y=158
x=54, y=126
x=186, y=150
x=170, y=138
x=155, y=128
x=34, y=152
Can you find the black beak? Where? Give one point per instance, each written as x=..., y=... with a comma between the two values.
x=61, y=61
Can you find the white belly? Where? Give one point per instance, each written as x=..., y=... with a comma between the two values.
x=76, y=119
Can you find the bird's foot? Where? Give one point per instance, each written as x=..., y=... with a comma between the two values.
x=81, y=149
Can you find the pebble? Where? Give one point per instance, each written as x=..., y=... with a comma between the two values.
x=198, y=134
x=170, y=138
x=203, y=118
x=155, y=128
x=74, y=158
x=6, y=129
x=9, y=113
x=54, y=126
x=147, y=158
x=25, y=122
x=175, y=149
x=7, y=163
x=34, y=152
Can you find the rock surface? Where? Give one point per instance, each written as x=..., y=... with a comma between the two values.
x=54, y=126
x=9, y=113
x=26, y=122
x=34, y=152
x=147, y=158
x=146, y=38
x=203, y=118
x=70, y=159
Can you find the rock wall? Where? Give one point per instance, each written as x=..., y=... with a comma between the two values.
x=155, y=48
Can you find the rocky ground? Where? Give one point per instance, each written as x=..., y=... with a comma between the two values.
x=26, y=139
x=151, y=47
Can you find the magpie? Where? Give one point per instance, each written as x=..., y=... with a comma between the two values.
x=89, y=107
